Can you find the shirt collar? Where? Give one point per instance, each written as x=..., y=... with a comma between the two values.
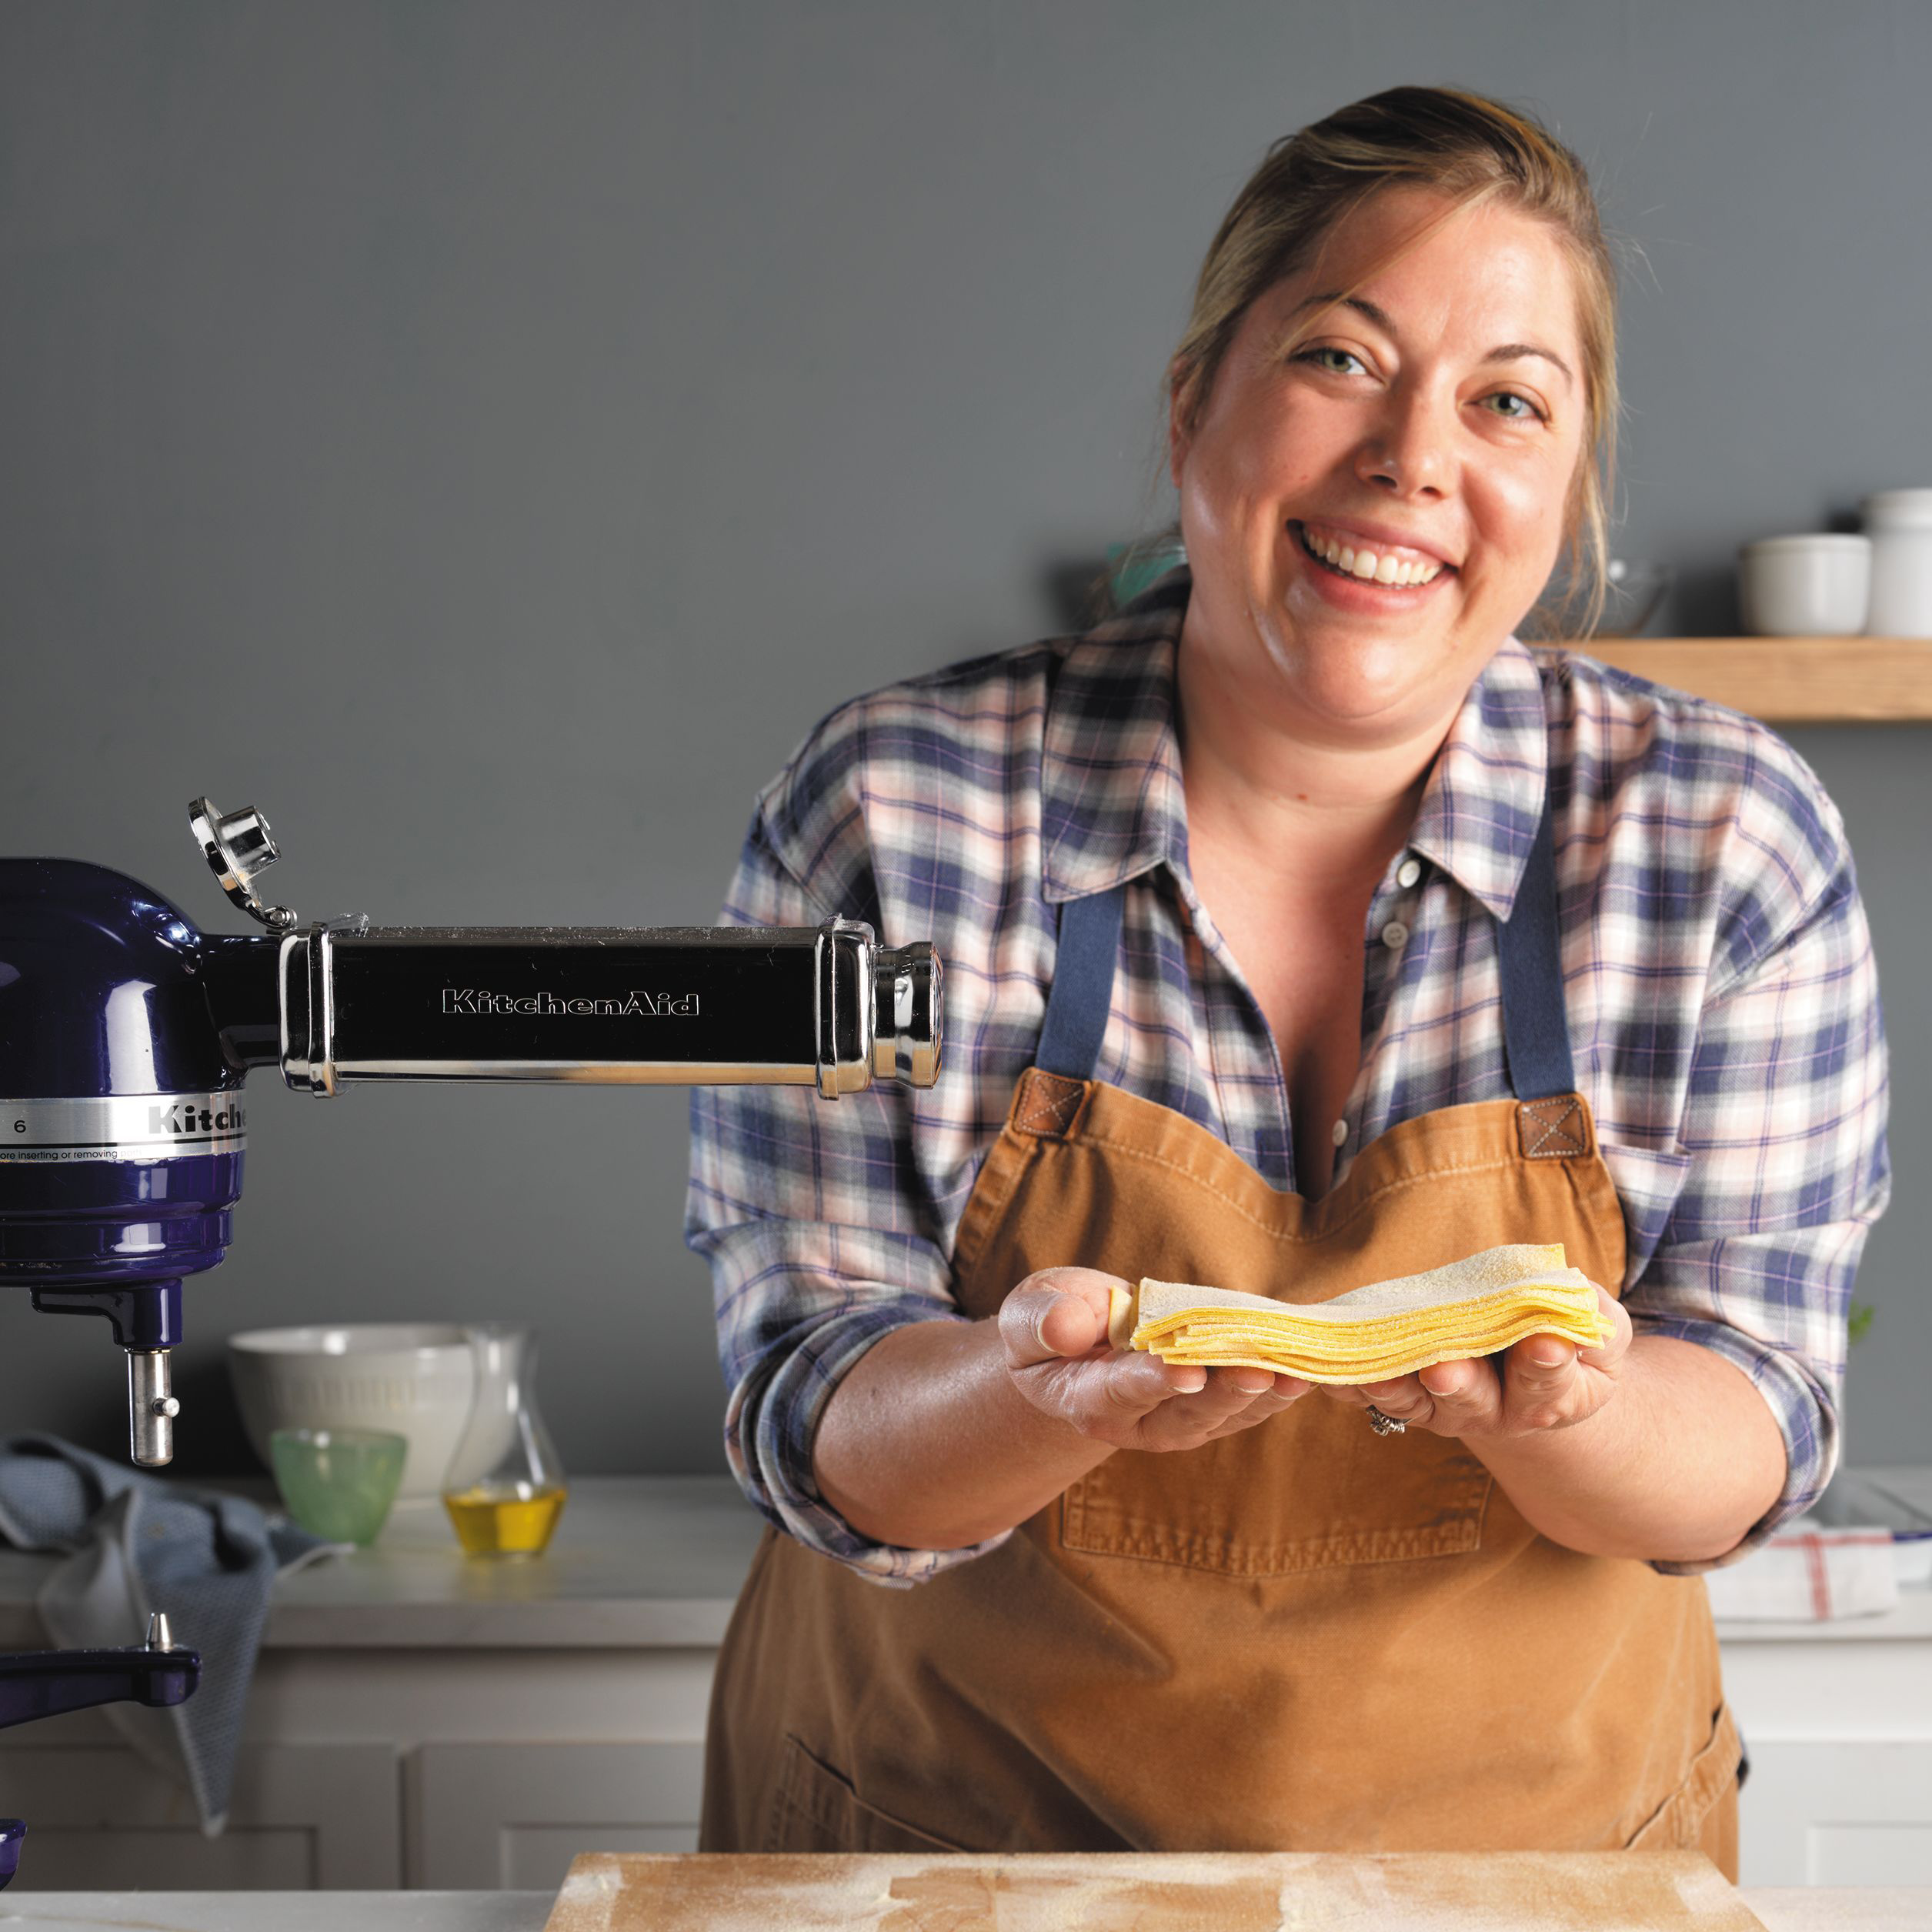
x=1478, y=816
x=1112, y=802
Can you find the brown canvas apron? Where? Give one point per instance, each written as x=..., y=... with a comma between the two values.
x=1305, y=1637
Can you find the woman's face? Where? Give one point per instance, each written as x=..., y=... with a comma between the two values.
x=1432, y=422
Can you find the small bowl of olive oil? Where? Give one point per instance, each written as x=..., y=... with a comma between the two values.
x=512, y=1519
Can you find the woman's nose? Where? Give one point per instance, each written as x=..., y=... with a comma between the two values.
x=1408, y=450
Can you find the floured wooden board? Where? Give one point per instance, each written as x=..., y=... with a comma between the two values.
x=1423, y=1891
x=1478, y=1306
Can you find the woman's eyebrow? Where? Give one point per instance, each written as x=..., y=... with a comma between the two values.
x=1506, y=352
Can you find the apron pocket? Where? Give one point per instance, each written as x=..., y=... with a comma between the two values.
x=814, y=1809
x=1677, y=1823
x=1313, y=1488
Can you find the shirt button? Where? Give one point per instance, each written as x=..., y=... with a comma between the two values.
x=1409, y=872
x=1395, y=935
x=1339, y=1132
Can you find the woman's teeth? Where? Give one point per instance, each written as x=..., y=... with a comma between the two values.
x=1365, y=564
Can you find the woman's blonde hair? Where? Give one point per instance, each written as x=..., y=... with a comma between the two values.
x=1470, y=150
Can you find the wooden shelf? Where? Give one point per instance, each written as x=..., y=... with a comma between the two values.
x=1786, y=680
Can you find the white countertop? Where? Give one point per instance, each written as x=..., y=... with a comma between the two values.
x=1822, y=1909
x=638, y=1562
x=277, y=1911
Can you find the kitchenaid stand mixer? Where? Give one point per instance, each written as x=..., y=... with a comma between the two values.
x=126, y=1036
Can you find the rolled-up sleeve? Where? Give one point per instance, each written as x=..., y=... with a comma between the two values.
x=809, y=1214
x=1784, y=1132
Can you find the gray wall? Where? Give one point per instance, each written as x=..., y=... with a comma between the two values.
x=486, y=437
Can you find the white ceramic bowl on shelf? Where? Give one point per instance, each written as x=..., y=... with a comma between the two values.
x=1816, y=584
x=418, y=1379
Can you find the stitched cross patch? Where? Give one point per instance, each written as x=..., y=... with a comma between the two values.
x=1046, y=1102
x=1553, y=1130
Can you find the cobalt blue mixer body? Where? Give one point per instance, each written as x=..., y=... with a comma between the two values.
x=125, y=1038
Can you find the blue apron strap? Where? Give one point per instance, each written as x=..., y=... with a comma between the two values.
x=1083, y=988
x=1536, y=1031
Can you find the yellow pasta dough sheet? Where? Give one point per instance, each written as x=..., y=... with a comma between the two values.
x=1478, y=1306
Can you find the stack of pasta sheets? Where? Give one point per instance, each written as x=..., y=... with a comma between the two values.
x=1478, y=1306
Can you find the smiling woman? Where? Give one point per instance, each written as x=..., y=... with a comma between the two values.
x=1426, y=155
x=1302, y=931
x=1376, y=431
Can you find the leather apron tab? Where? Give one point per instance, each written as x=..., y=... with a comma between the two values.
x=1046, y=1103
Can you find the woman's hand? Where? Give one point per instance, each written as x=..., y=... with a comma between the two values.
x=1054, y=1329
x=1550, y=1384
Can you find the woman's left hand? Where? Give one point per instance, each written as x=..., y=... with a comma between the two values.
x=1550, y=1384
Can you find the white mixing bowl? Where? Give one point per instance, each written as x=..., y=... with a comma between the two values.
x=417, y=1378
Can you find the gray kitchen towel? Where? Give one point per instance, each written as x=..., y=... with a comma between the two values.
x=135, y=1544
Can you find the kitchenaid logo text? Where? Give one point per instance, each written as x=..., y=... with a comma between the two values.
x=633, y=1006
x=184, y=1117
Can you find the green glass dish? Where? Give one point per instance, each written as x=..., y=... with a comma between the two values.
x=338, y=1483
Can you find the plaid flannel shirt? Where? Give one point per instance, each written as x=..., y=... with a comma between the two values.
x=1718, y=974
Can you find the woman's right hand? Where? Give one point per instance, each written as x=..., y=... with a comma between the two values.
x=1054, y=1329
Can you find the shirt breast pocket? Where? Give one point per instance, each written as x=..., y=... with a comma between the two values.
x=1649, y=1182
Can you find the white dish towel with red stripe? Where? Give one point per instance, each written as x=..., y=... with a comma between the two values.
x=1807, y=1573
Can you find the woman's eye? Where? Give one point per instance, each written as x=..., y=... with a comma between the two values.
x=1314, y=355
x=1529, y=413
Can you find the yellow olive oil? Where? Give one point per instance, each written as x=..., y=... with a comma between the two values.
x=506, y=1519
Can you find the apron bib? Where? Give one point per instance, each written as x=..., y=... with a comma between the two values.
x=1303, y=1637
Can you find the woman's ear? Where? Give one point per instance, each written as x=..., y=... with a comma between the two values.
x=1180, y=390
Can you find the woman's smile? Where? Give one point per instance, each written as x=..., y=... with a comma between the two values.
x=1357, y=571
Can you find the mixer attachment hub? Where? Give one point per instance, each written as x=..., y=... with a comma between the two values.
x=237, y=845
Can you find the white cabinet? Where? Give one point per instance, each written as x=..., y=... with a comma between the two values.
x=1817, y=1814
x=477, y=1769
x=1837, y=1721
x=304, y=1818
x=513, y=1816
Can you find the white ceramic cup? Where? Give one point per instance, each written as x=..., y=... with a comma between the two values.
x=1816, y=585
x=1900, y=524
